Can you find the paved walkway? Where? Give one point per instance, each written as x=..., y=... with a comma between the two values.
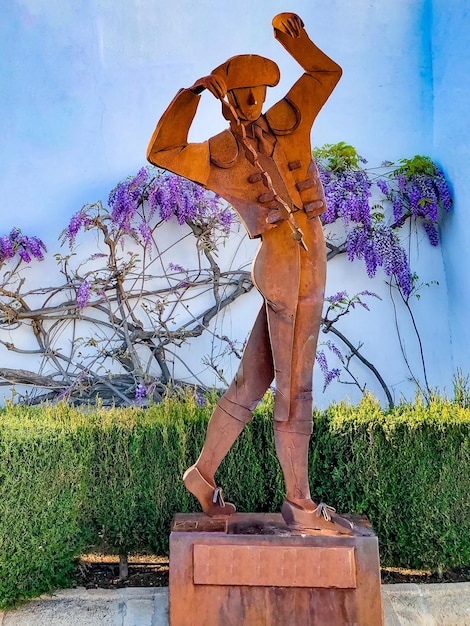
x=404, y=605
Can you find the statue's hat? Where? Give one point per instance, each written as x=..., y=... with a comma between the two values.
x=248, y=70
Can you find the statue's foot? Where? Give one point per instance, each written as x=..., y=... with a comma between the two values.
x=209, y=496
x=322, y=517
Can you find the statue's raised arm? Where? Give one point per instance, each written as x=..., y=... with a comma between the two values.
x=169, y=147
x=322, y=74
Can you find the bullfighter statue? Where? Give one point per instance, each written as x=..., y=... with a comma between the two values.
x=262, y=166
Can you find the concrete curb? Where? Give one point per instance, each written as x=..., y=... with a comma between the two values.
x=136, y=606
x=404, y=605
x=439, y=604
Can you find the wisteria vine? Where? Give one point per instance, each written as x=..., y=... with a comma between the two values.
x=130, y=309
x=414, y=189
x=134, y=202
x=109, y=290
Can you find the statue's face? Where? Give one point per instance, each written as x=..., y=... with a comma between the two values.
x=248, y=102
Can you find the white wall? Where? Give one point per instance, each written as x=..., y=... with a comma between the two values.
x=83, y=85
x=451, y=147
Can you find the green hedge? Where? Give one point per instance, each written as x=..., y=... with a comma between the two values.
x=72, y=481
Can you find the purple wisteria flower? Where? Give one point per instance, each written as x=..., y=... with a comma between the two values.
x=80, y=219
x=399, y=214
x=125, y=199
x=418, y=189
x=321, y=360
x=83, y=295
x=27, y=248
x=225, y=216
x=328, y=375
x=174, y=196
x=24, y=255
x=6, y=248
x=145, y=233
x=432, y=233
x=401, y=181
x=140, y=393
x=378, y=246
x=443, y=190
x=360, y=302
x=382, y=185
x=335, y=350
x=338, y=297
x=347, y=194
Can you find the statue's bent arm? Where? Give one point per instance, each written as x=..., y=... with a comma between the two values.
x=169, y=147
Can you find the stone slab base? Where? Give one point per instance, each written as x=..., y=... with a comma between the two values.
x=250, y=569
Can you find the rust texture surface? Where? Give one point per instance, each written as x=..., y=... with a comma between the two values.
x=274, y=566
x=270, y=575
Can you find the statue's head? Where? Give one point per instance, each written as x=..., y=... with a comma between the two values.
x=247, y=76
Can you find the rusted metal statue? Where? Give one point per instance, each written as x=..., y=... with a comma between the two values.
x=262, y=165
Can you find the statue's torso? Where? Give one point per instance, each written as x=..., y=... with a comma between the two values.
x=285, y=157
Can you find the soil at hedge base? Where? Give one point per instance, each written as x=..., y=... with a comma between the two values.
x=102, y=571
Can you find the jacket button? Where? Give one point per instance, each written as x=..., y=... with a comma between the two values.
x=305, y=184
x=255, y=178
x=312, y=206
x=274, y=216
x=266, y=197
x=294, y=165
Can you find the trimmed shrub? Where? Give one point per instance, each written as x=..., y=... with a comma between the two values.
x=408, y=470
x=110, y=479
x=44, y=483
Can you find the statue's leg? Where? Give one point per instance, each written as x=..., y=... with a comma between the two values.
x=292, y=432
x=233, y=411
x=292, y=435
x=293, y=404
x=294, y=318
x=292, y=443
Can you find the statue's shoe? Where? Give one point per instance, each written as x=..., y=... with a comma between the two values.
x=210, y=497
x=324, y=517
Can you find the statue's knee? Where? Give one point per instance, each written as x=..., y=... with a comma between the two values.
x=293, y=407
x=298, y=427
x=237, y=411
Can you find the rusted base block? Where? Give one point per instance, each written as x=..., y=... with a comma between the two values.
x=250, y=569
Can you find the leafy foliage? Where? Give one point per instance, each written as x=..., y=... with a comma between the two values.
x=338, y=157
x=110, y=479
